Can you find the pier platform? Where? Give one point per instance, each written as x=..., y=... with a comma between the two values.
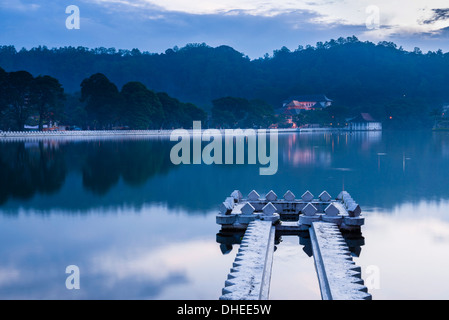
x=236, y=212
x=319, y=222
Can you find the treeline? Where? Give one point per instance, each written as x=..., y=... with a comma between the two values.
x=41, y=100
x=381, y=79
x=135, y=106
x=232, y=112
x=23, y=96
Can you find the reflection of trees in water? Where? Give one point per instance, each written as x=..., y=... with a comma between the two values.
x=29, y=168
x=133, y=161
x=414, y=166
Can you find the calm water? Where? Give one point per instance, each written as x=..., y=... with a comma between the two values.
x=139, y=227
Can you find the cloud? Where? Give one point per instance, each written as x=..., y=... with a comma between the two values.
x=18, y=5
x=401, y=16
x=178, y=270
x=149, y=27
x=205, y=7
x=8, y=275
x=253, y=27
x=438, y=15
x=179, y=258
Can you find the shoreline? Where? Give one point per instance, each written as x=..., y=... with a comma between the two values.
x=147, y=133
x=108, y=133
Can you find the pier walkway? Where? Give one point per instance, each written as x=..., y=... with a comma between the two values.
x=250, y=274
x=338, y=276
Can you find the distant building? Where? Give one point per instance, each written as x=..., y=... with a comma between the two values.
x=364, y=122
x=307, y=103
x=297, y=104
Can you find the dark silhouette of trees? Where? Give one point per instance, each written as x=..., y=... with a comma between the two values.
x=47, y=97
x=229, y=111
x=178, y=114
x=22, y=95
x=3, y=91
x=102, y=100
x=18, y=92
x=232, y=112
x=141, y=107
x=99, y=104
x=75, y=114
x=359, y=76
x=135, y=106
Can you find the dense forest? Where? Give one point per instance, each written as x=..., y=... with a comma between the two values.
x=41, y=102
x=404, y=89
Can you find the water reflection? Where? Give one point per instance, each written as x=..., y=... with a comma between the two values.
x=380, y=169
x=135, y=162
x=27, y=168
x=227, y=240
x=122, y=212
x=145, y=254
x=409, y=246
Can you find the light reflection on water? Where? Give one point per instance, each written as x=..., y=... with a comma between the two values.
x=409, y=244
x=293, y=274
x=121, y=255
x=141, y=228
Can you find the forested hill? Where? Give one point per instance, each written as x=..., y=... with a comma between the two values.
x=379, y=78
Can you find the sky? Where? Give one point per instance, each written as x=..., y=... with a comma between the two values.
x=253, y=27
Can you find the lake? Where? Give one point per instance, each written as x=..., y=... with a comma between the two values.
x=139, y=227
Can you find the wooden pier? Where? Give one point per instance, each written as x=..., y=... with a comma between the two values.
x=321, y=220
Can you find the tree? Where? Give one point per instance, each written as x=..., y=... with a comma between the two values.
x=47, y=97
x=18, y=99
x=103, y=100
x=239, y=112
x=260, y=114
x=228, y=111
x=321, y=117
x=173, y=113
x=355, y=74
x=3, y=92
x=74, y=111
x=142, y=108
x=192, y=113
x=179, y=114
x=337, y=113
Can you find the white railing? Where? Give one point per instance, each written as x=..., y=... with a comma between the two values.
x=84, y=133
x=95, y=133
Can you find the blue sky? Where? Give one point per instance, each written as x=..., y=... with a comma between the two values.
x=254, y=27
